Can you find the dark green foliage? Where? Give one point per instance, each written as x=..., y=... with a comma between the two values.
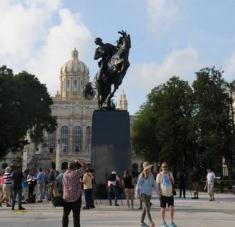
x=213, y=118
x=163, y=126
x=187, y=126
x=24, y=106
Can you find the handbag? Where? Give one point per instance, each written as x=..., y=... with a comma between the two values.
x=57, y=198
x=58, y=201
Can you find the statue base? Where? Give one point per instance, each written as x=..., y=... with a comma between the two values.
x=110, y=148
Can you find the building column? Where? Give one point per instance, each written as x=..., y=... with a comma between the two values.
x=58, y=149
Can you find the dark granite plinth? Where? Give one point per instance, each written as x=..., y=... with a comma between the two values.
x=110, y=149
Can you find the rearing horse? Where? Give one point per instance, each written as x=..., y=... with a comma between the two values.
x=113, y=67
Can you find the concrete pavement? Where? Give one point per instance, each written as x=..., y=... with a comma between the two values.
x=189, y=213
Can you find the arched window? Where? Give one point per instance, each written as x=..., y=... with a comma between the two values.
x=77, y=138
x=88, y=138
x=65, y=138
x=52, y=142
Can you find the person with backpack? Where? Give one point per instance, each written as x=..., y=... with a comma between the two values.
x=165, y=183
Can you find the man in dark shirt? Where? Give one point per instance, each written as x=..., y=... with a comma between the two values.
x=17, y=178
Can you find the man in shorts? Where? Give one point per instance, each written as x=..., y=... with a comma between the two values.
x=165, y=183
x=210, y=184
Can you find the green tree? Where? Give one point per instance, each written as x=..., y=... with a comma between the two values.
x=163, y=129
x=24, y=107
x=212, y=118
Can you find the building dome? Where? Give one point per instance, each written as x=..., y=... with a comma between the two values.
x=74, y=66
x=74, y=75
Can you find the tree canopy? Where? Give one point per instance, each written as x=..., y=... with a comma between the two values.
x=24, y=107
x=187, y=125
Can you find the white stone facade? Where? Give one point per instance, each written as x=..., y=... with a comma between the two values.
x=72, y=139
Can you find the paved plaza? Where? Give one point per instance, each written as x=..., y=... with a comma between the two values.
x=189, y=213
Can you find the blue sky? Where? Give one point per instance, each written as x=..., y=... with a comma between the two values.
x=169, y=37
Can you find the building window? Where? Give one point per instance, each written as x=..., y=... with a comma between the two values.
x=75, y=85
x=88, y=138
x=77, y=139
x=52, y=142
x=65, y=138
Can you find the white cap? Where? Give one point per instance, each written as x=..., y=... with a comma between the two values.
x=113, y=172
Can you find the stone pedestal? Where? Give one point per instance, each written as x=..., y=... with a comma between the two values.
x=110, y=149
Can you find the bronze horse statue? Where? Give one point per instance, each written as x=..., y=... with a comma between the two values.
x=113, y=67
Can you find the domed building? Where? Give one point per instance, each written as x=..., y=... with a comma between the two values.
x=72, y=139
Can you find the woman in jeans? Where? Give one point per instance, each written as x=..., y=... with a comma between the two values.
x=145, y=185
x=129, y=188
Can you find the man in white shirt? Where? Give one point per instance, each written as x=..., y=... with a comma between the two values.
x=210, y=184
x=165, y=183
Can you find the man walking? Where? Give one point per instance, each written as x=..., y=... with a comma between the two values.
x=72, y=194
x=165, y=183
x=17, y=179
x=41, y=181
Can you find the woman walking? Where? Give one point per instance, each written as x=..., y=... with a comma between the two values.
x=129, y=188
x=145, y=185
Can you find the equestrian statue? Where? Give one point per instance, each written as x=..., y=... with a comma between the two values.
x=113, y=64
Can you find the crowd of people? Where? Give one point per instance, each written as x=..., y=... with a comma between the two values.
x=29, y=186
x=65, y=189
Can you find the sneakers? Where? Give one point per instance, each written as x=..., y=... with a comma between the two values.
x=21, y=208
x=143, y=224
x=173, y=224
x=164, y=224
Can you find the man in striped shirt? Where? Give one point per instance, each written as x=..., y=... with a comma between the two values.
x=72, y=192
x=7, y=179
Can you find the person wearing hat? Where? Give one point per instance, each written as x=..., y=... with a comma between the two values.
x=144, y=187
x=113, y=182
x=165, y=183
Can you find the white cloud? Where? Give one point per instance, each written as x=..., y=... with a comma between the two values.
x=163, y=14
x=183, y=63
x=61, y=40
x=30, y=39
x=23, y=24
